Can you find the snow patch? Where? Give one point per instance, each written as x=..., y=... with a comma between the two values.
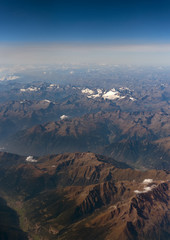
x=46, y=100
x=87, y=91
x=30, y=89
x=112, y=95
x=30, y=159
x=53, y=86
x=22, y=90
x=99, y=91
x=124, y=88
x=132, y=99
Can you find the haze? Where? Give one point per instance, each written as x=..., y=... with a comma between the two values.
x=116, y=32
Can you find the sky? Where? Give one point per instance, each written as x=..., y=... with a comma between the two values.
x=103, y=31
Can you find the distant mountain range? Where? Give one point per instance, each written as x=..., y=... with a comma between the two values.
x=141, y=138
x=94, y=154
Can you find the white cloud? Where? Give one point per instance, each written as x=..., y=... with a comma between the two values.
x=146, y=181
x=146, y=188
x=63, y=117
x=30, y=159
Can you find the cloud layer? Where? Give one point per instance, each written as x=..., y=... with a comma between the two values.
x=89, y=53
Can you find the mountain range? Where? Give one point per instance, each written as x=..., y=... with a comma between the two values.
x=80, y=196
x=86, y=156
x=139, y=138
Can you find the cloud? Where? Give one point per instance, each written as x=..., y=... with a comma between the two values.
x=63, y=117
x=88, y=53
x=146, y=181
x=30, y=159
x=146, y=188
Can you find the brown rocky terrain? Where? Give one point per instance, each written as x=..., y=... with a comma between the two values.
x=85, y=195
x=19, y=115
x=137, y=138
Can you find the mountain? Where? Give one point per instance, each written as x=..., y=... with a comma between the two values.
x=85, y=195
x=152, y=154
x=25, y=105
x=19, y=115
x=129, y=137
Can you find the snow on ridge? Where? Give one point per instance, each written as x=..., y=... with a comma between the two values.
x=112, y=95
x=52, y=85
x=46, y=100
x=125, y=89
x=30, y=159
x=132, y=99
x=30, y=89
x=91, y=93
x=99, y=91
x=87, y=91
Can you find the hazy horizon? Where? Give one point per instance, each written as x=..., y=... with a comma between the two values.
x=104, y=32
x=51, y=53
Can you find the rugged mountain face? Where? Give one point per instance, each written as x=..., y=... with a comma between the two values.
x=47, y=118
x=154, y=154
x=84, y=195
x=137, y=217
x=19, y=115
x=132, y=137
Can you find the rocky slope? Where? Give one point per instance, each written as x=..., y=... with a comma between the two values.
x=84, y=195
x=132, y=137
x=19, y=115
x=154, y=154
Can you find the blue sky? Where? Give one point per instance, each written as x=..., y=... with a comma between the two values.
x=102, y=23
